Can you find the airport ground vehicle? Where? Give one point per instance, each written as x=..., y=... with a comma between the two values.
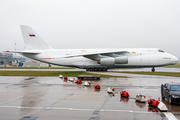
x=171, y=91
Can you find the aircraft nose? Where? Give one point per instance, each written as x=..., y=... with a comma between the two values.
x=174, y=60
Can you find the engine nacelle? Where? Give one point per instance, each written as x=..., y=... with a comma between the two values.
x=121, y=60
x=112, y=61
x=107, y=61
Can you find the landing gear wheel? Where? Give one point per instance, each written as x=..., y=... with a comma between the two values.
x=99, y=69
x=153, y=70
x=95, y=69
x=87, y=69
x=103, y=69
x=91, y=69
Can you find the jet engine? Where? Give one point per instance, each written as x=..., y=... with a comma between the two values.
x=107, y=61
x=121, y=60
x=110, y=61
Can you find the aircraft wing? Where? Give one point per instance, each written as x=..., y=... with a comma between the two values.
x=97, y=54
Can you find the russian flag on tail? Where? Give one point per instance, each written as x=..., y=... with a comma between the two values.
x=32, y=35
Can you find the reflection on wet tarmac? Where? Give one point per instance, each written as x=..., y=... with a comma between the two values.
x=152, y=109
x=172, y=107
x=141, y=105
x=97, y=90
x=52, y=98
x=31, y=97
x=64, y=80
x=111, y=95
x=124, y=99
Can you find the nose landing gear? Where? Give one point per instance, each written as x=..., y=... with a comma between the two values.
x=153, y=69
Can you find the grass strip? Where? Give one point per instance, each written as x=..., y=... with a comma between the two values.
x=156, y=73
x=50, y=73
x=173, y=66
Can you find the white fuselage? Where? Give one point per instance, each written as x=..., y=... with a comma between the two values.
x=93, y=59
x=137, y=57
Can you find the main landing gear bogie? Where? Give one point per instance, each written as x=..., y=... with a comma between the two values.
x=96, y=69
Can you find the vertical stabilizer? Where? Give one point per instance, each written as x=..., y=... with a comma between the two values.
x=32, y=40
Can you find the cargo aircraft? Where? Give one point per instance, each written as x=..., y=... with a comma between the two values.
x=93, y=59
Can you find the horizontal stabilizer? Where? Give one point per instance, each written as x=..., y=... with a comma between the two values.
x=23, y=52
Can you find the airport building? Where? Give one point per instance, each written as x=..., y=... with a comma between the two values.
x=6, y=58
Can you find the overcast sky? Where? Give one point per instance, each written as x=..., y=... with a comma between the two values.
x=93, y=23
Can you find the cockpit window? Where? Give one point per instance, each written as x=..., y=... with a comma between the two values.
x=160, y=51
